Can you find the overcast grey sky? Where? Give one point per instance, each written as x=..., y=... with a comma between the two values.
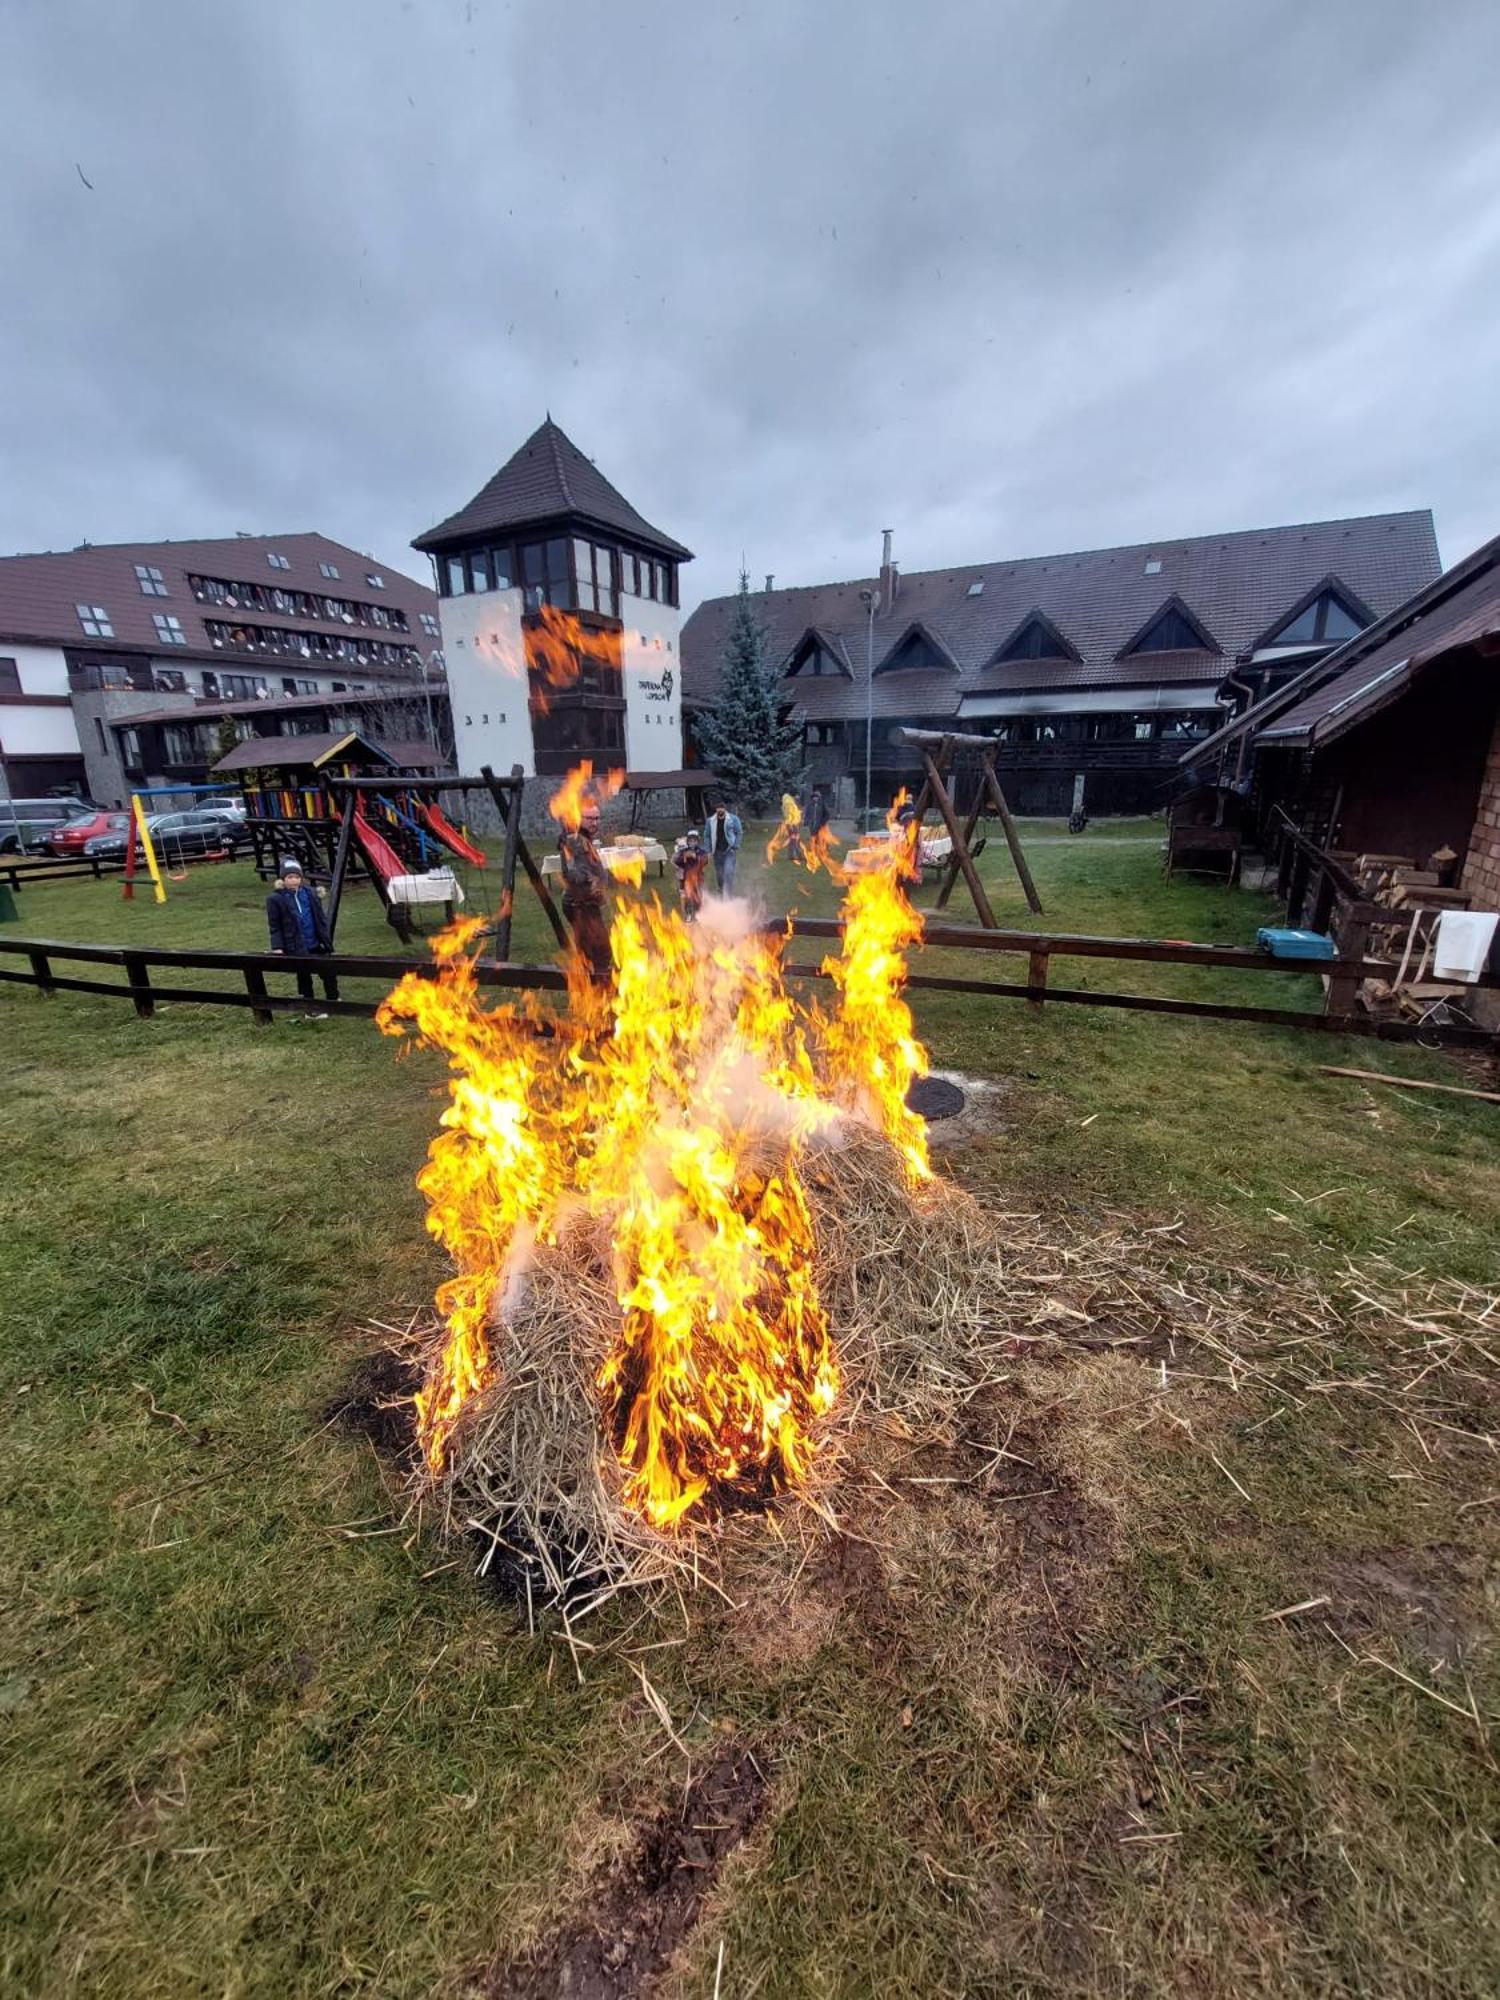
x=1006, y=278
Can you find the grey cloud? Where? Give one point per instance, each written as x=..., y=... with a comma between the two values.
x=1005, y=278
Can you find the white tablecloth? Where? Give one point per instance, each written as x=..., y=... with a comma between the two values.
x=613, y=856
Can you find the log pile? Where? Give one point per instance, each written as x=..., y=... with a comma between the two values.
x=1415, y=892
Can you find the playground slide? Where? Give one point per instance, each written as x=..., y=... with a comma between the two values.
x=441, y=828
x=377, y=850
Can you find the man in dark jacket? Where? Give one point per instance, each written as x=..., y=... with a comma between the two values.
x=299, y=927
x=585, y=886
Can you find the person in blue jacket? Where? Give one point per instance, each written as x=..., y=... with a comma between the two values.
x=722, y=837
x=299, y=926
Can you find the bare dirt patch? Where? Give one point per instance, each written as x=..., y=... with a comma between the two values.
x=1423, y=1598
x=376, y=1402
x=642, y=1907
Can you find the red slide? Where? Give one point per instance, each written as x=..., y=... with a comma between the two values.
x=442, y=828
x=376, y=849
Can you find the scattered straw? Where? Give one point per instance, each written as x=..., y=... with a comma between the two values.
x=935, y=1302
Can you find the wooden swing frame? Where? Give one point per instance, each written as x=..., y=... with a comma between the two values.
x=937, y=749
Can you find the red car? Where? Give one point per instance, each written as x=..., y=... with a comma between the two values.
x=71, y=835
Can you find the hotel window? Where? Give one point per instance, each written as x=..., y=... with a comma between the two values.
x=276, y=561
x=430, y=625
x=95, y=621
x=168, y=629
x=548, y=579
x=594, y=568
x=151, y=580
x=328, y=569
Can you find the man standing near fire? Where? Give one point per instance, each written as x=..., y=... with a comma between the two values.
x=722, y=837
x=585, y=886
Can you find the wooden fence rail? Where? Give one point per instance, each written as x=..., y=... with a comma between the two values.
x=57, y=868
x=35, y=962
x=44, y=955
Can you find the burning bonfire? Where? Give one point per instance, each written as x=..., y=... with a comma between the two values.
x=668, y=1208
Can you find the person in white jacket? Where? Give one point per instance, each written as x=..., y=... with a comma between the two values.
x=722, y=837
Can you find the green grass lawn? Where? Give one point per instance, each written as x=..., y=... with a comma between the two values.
x=264, y=1735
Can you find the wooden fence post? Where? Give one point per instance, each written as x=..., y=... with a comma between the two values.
x=137, y=974
x=255, y=986
x=1343, y=986
x=1036, y=976
x=43, y=971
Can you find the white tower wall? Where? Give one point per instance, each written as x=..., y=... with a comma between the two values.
x=485, y=654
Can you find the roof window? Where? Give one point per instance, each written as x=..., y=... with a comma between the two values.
x=151, y=580
x=95, y=621
x=168, y=629
x=976, y=588
x=277, y=561
x=328, y=569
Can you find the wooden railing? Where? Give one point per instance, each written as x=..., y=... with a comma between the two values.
x=250, y=968
x=57, y=868
x=36, y=962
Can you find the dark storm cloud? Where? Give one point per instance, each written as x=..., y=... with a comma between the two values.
x=1006, y=279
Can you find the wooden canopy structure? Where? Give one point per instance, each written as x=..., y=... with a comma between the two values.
x=938, y=750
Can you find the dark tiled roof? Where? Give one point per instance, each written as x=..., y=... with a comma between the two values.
x=1235, y=585
x=275, y=753
x=548, y=479
x=1470, y=616
x=1452, y=610
x=670, y=781
x=207, y=709
x=1136, y=670
x=39, y=595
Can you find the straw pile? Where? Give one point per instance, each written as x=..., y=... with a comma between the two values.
x=933, y=1301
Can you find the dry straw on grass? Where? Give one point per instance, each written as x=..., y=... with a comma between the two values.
x=935, y=1301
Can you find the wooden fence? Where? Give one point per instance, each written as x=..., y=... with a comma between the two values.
x=57, y=868
x=250, y=968
x=40, y=959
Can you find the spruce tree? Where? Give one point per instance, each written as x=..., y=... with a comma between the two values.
x=741, y=734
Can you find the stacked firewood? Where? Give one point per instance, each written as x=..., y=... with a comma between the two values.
x=1415, y=893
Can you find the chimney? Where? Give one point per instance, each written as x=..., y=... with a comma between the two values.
x=890, y=576
x=770, y=582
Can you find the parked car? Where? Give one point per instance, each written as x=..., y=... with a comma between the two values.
x=27, y=824
x=73, y=836
x=178, y=836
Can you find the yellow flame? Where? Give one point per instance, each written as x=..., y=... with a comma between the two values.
x=675, y=1107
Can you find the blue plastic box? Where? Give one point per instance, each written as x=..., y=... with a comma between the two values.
x=1295, y=944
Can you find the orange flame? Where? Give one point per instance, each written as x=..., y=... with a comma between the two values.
x=676, y=1108
x=558, y=647
x=581, y=789
x=810, y=850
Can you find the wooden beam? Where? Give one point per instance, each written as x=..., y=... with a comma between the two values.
x=1012, y=836
x=1408, y=1082
x=508, y=866
x=960, y=850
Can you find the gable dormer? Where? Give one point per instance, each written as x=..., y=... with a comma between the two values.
x=1326, y=615
x=817, y=653
x=1173, y=629
x=1035, y=638
x=919, y=650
